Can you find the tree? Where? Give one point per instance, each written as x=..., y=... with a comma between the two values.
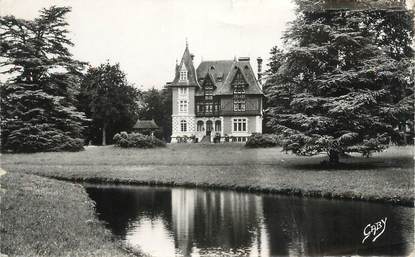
x=38, y=100
x=156, y=104
x=275, y=61
x=107, y=98
x=345, y=83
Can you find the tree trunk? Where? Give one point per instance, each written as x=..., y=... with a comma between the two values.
x=104, y=134
x=333, y=156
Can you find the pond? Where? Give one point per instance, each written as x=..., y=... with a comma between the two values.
x=163, y=221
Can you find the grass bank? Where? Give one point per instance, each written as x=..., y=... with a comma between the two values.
x=46, y=217
x=386, y=177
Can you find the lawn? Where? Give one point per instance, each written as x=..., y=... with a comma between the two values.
x=47, y=217
x=387, y=176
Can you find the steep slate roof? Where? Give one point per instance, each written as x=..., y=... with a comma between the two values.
x=191, y=74
x=226, y=70
x=145, y=124
x=221, y=73
x=247, y=73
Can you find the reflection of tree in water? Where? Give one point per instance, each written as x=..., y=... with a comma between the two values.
x=212, y=219
x=299, y=226
x=261, y=225
x=120, y=206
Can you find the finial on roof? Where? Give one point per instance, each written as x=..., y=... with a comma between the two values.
x=187, y=43
x=176, y=62
x=234, y=58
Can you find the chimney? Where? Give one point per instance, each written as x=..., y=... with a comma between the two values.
x=259, y=61
x=243, y=59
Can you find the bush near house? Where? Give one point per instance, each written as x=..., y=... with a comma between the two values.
x=125, y=140
x=257, y=140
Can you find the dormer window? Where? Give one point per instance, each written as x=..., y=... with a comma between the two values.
x=239, y=99
x=183, y=74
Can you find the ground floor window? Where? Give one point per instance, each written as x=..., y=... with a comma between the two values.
x=183, y=126
x=239, y=125
x=200, y=125
x=209, y=126
x=218, y=126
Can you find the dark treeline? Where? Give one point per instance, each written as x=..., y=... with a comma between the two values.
x=51, y=102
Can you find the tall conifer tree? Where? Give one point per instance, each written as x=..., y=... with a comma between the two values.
x=345, y=82
x=37, y=101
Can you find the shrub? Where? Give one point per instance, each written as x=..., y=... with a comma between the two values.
x=125, y=140
x=41, y=139
x=72, y=145
x=257, y=140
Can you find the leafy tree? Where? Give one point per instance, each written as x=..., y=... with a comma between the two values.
x=345, y=83
x=107, y=98
x=156, y=104
x=38, y=100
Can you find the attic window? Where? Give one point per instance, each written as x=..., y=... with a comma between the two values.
x=183, y=74
x=246, y=67
x=212, y=67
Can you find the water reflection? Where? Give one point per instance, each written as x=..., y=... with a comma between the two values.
x=196, y=222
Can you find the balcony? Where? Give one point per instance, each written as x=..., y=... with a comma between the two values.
x=228, y=113
x=240, y=113
x=207, y=114
x=226, y=110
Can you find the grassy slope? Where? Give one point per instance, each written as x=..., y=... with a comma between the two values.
x=46, y=217
x=387, y=176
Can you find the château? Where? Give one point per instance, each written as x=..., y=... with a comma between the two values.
x=219, y=101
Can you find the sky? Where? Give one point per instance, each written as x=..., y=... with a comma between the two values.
x=147, y=36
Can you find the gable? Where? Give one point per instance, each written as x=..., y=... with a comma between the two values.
x=208, y=81
x=241, y=72
x=239, y=79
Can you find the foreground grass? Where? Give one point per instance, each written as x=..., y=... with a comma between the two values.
x=386, y=176
x=46, y=217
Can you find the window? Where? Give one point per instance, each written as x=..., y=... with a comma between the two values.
x=183, y=76
x=183, y=106
x=200, y=107
x=239, y=104
x=209, y=125
x=200, y=125
x=216, y=107
x=218, y=126
x=208, y=93
x=208, y=108
x=239, y=125
x=239, y=84
x=183, y=91
x=239, y=99
x=183, y=73
x=183, y=126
